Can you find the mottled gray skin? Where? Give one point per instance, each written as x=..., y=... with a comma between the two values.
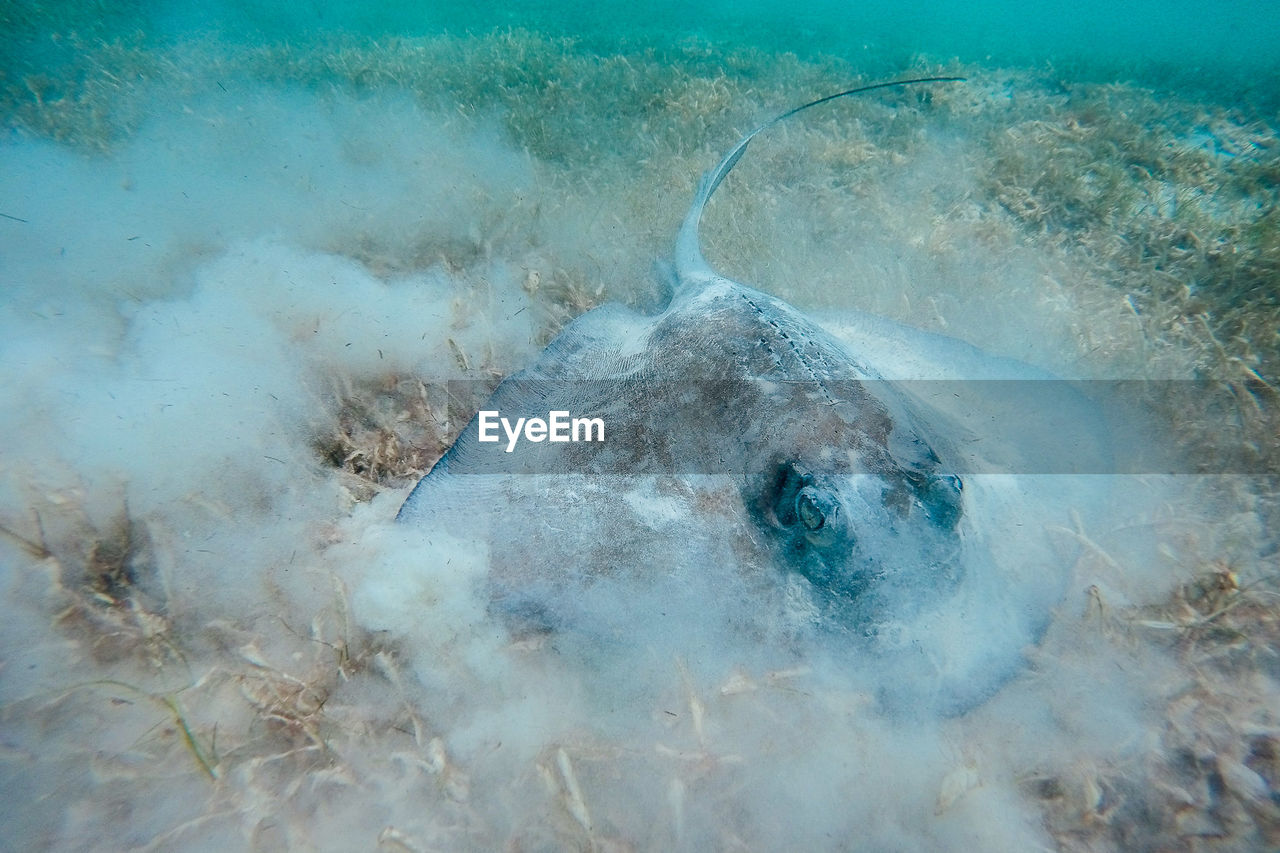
x=835, y=471
x=792, y=459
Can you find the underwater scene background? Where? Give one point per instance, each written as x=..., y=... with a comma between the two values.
x=242, y=244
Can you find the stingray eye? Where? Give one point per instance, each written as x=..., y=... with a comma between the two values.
x=815, y=508
x=811, y=515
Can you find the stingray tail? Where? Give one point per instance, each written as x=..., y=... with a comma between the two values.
x=691, y=266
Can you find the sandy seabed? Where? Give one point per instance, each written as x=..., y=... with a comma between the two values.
x=234, y=280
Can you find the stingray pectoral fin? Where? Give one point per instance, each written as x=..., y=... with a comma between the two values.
x=902, y=352
x=1021, y=418
x=591, y=345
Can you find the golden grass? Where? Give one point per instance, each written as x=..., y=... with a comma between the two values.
x=1208, y=779
x=1173, y=200
x=384, y=432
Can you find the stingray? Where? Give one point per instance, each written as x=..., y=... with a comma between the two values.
x=765, y=484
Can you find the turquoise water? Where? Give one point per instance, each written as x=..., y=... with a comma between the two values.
x=1155, y=42
x=1193, y=39
x=1194, y=36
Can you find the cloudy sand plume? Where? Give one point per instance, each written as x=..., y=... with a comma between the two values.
x=238, y=277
